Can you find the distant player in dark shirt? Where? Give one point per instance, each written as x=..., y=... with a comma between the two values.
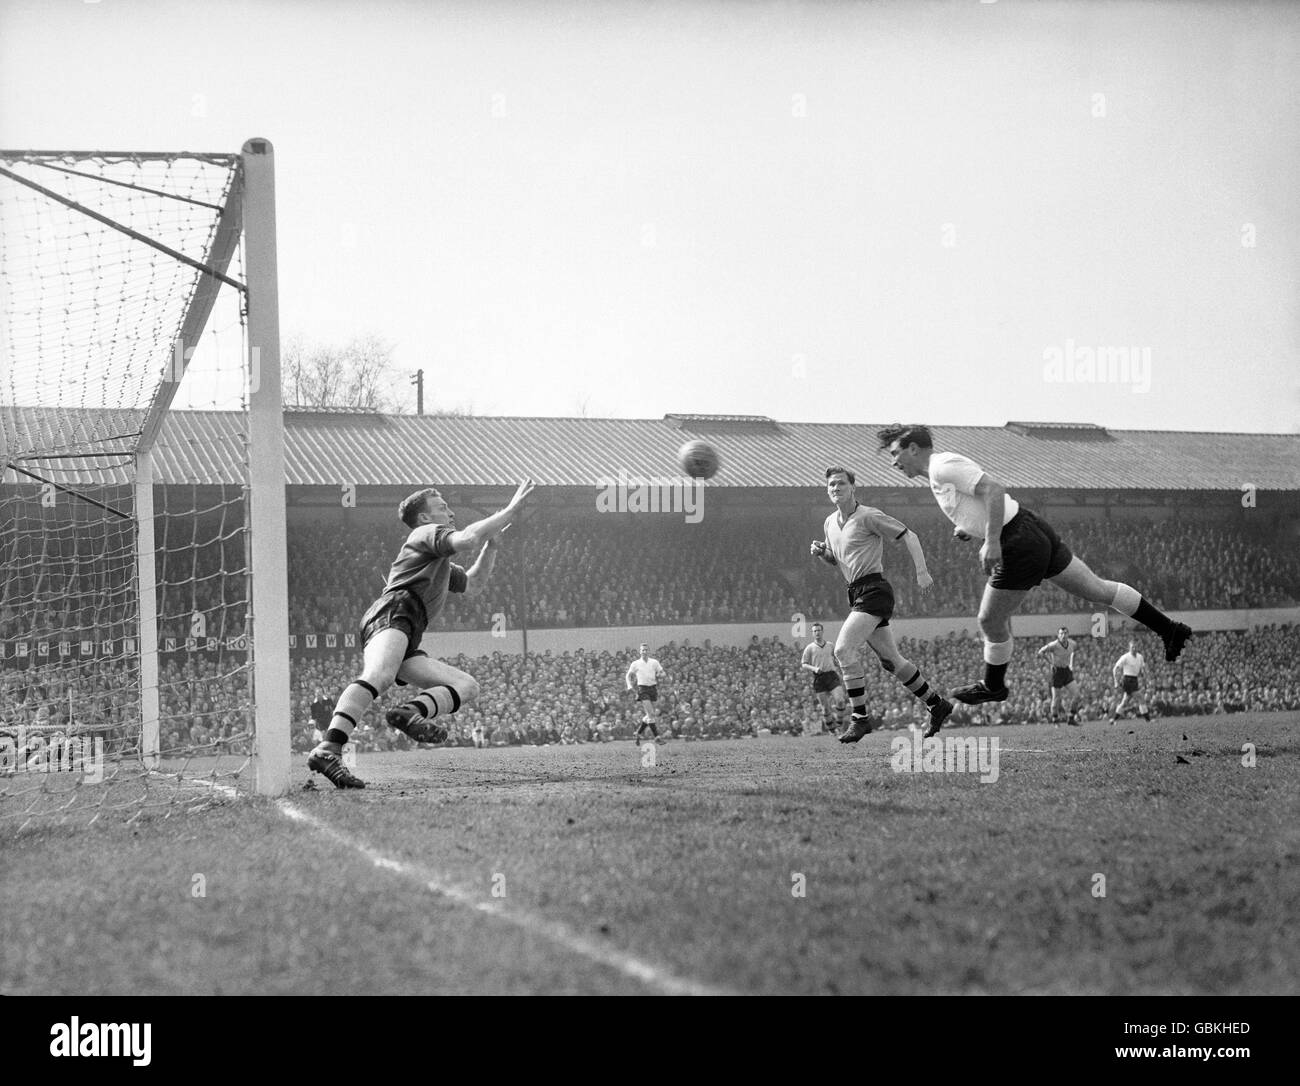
x=854, y=544
x=818, y=659
x=1061, y=654
x=392, y=628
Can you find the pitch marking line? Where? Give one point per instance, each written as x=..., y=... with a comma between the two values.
x=629, y=966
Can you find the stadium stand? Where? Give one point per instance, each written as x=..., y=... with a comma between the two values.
x=714, y=692
x=1162, y=510
x=711, y=691
x=726, y=692
x=757, y=571
x=666, y=573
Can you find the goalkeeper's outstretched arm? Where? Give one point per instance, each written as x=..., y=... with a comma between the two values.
x=480, y=531
x=478, y=573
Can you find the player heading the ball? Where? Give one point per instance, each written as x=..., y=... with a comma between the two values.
x=392, y=628
x=1020, y=551
x=855, y=536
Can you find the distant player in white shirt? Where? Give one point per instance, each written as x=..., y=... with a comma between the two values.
x=647, y=671
x=1020, y=551
x=1060, y=653
x=819, y=659
x=1129, y=667
x=854, y=544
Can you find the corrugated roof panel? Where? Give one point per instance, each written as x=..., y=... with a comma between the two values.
x=207, y=446
x=201, y=447
x=40, y=431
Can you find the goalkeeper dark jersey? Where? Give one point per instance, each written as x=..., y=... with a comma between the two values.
x=424, y=567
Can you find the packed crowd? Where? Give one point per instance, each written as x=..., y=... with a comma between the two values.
x=203, y=702
x=77, y=578
x=709, y=692
x=663, y=572
x=719, y=692
x=61, y=695
x=624, y=571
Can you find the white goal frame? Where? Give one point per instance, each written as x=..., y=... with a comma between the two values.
x=250, y=214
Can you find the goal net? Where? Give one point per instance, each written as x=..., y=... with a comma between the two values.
x=127, y=647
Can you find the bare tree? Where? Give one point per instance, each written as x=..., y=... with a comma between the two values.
x=358, y=374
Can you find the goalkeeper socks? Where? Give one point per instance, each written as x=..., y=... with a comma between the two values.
x=1128, y=601
x=353, y=702
x=436, y=701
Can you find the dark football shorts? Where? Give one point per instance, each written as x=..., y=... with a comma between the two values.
x=400, y=610
x=1061, y=676
x=826, y=681
x=873, y=596
x=647, y=693
x=1031, y=553
x=1129, y=684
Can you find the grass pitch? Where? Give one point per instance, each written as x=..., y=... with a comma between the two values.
x=756, y=866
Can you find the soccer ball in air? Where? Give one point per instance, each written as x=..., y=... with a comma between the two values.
x=698, y=459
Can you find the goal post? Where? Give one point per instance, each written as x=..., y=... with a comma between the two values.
x=143, y=576
x=146, y=579
x=268, y=547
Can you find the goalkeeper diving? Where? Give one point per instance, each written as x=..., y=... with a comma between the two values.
x=392, y=628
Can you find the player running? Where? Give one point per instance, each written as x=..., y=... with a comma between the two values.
x=855, y=536
x=647, y=671
x=1130, y=665
x=1060, y=652
x=1020, y=551
x=828, y=688
x=391, y=629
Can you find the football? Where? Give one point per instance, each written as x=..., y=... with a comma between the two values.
x=699, y=459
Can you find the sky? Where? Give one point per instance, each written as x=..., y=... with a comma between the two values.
x=959, y=213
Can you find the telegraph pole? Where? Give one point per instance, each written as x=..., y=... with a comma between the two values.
x=417, y=379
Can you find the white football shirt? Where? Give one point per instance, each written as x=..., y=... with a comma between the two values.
x=1131, y=663
x=647, y=672
x=953, y=479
